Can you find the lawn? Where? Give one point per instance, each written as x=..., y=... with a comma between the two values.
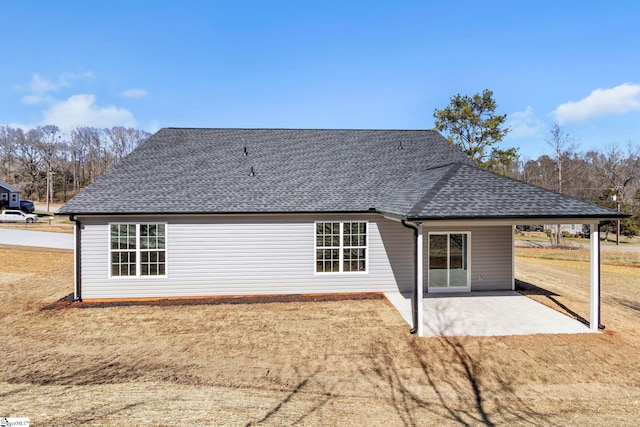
x=308, y=363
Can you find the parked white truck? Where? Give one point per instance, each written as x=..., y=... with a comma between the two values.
x=11, y=215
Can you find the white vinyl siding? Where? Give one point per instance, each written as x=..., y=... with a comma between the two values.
x=248, y=255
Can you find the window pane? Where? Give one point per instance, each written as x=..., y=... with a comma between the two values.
x=123, y=263
x=458, y=260
x=438, y=273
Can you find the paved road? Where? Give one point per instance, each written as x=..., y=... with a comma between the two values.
x=36, y=238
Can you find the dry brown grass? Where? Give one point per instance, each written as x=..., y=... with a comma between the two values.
x=41, y=225
x=312, y=363
x=607, y=257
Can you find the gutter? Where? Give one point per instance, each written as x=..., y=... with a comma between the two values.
x=414, y=296
x=77, y=292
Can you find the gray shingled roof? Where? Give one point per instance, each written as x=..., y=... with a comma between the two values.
x=9, y=187
x=406, y=173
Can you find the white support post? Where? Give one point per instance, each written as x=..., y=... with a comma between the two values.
x=420, y=280
x=594, y=309
x=75, y=261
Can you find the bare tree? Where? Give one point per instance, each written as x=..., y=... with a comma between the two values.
x=8, y=138
x=123, y=141
x=29, y=162
x=619, y=173
x=563, y=148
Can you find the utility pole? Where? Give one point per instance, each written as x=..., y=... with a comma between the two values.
x=51, y=173
x=48, y=187
x=616, y=198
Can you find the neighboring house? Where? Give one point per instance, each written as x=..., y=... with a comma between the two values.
x=204, y=212
x=9, y=196
x=571, y=229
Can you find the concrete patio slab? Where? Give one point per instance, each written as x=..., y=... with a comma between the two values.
x=486, y=314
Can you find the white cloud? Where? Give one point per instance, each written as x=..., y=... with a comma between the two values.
x=40, y=85
x=524, y=124
x=134, y=93
x=75, y=110
x=37, y=99
x=81, y=110
x=601, y=102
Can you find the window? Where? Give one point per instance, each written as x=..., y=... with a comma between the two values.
x=341, y=247
x=138, y=250
x=449, y=261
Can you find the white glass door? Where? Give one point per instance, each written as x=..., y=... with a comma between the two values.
x=448, y=262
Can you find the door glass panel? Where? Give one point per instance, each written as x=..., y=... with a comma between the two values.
x=458, y=260
x=438, y=261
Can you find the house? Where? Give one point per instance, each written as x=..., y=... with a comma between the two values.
x=569, y=229
x=204, y=212
x=9, y=196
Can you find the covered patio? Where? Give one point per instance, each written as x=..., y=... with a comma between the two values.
x=490, y=313
x=465, y=311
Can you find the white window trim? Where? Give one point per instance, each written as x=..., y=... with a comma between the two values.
x=340, y=248
x=468, y=254
x=138, y=251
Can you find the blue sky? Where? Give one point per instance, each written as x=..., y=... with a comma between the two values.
x=323, y=64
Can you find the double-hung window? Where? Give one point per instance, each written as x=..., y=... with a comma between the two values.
x=341, y=247
x=138, y=250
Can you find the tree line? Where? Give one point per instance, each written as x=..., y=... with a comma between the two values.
x=47, y=162
x=609, y=177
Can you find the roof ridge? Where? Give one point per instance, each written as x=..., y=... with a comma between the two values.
x=298, y=129
x=420, y=205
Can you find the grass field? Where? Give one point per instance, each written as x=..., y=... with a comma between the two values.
x=339, y=363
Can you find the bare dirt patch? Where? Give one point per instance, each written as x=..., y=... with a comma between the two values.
x=306, y=363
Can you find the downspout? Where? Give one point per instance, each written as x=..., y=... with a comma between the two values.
x=77, y=293
x=414, y=296
x=600, y=325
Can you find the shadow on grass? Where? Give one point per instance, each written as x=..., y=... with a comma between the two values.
x=526, y=288
x=322, y=399
x=458, y=381
x=79, y=372
x=625, y=302
x=95, y=415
